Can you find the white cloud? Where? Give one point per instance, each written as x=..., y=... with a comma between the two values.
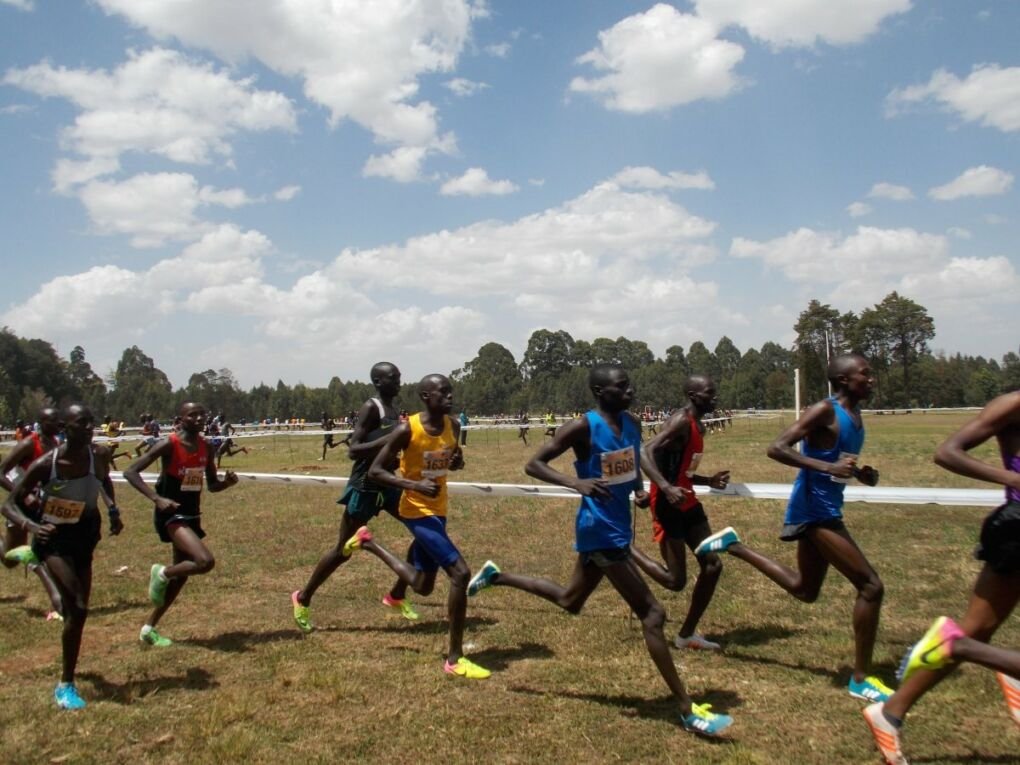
x=403, y=164
x=12, y=109
x=891, y=191
x=980, y=181
x=537, y=182
x=361, y=61
x=70, y=173
x=159, y=102
x=650, y=178
x=21, y=5
x=154, y=208
x=822, y=257
x=498, y=50
x=462, y=87
x=958, y=232
x=858, y=209
x=800, y=23
x=286, y=193
x=476, y=183
x=659, y=59
x=989, y=95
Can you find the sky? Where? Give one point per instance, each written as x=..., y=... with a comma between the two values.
x=296, y=189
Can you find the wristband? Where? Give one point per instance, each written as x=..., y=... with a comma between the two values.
x=112, y=511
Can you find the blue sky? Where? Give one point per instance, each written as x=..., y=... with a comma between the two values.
x=295, y=190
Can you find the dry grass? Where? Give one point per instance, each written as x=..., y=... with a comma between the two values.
x=241, y=683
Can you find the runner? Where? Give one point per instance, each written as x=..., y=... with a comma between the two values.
x=69, y=480
x=833, y=433
x=996, y=590
x=328, y=424
x=605, y=443
x=112, y=430
x=670, y=460
x=525, y=425
x=14, y=547
x=428, y=448
x=150, y=434
x=184, y=460
x=362, y=498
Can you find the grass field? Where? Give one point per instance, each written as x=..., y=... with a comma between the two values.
x=241, y=683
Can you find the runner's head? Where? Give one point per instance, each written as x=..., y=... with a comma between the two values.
x=610, y=384
x=851, y=374
x=702, y=394
x=49, y=421
x=436, y=392
x=192, y=417
x=78, y=423
x=386, y=378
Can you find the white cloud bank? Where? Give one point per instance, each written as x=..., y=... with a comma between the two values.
x=989, y=95
x=659, y=59
x=980, y=181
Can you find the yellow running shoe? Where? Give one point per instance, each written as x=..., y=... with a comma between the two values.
x=301, y=617
x=361, y=536
x=933, y=651
x=466, y=668
x=403, y=607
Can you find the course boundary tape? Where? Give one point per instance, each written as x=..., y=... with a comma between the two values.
x=888, y=495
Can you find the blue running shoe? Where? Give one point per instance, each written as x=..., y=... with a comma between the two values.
x=484, y=578
x=66, y=696
x=718, y=542
x=704, y=722
x=869, y=689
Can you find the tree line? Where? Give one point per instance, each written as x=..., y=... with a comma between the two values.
x=551, y=376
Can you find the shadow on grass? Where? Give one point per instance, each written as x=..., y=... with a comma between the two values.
x=194, y=679
x=12, y=598
x=241, y=641
x=119, y=606
x=403, y=627
x=663, y=708
x=745, y=636
x=498, y=659
x=837, y=676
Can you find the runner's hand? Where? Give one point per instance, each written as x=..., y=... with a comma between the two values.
x=457, y=459
x=592, y=487
x=45, y=531
x=165, y=505
x=230, y=478
x=866, y=475
x=843, y=468
x=116, y=524
x=428, y=487
x=720, y=480
x=675, y=495
x=642, y=498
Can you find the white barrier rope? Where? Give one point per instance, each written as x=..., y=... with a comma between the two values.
x=890, y=495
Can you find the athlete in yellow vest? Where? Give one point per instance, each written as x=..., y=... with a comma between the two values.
x=428, y=444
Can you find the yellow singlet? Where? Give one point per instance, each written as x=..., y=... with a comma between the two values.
x=426, y=457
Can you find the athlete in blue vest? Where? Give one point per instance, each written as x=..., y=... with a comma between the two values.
x=833, y=434
x=606, y=443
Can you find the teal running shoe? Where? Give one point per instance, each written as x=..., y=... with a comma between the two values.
x=66, y=696
x=484, y=578
x=869, y=689
x=718, y=542
x=704, y=722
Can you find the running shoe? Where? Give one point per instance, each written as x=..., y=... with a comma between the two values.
x=486, y=574
x=403, y=607
x=704, y=722
x=157, y=584
x=66, y=696
x=54, y=616
x=361, y=536
x=465, y=668
x=696, y=642
x=933, y=651
x=1011, y=690
x=22, y=554
x=718, y=542
x=153, y=638
x=301, y=618
x=886, y=735
x=869, y=689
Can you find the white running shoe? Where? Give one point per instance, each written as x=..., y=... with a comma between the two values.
x=696, y=642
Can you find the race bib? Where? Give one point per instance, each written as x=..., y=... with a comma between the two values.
x=693, y=467
x=192, y=479
x=61, y=511
x=843, y=456
x=435, y=463
x=619, y=466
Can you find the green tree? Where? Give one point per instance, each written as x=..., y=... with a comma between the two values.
x=90, y=388
x=487, y=383
x=818, y=331
x=139, y=386
x=677, y=360
x=700, y=361
x=908, y=328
